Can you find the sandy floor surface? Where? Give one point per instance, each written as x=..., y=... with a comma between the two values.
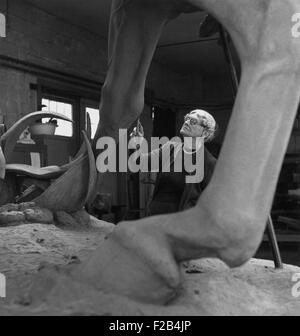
x=36, y=259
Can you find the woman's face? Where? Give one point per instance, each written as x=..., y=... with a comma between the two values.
x=193, y=125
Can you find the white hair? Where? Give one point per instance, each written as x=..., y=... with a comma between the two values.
x=210, y=124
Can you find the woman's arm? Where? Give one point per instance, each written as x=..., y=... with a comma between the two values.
x=161, y=158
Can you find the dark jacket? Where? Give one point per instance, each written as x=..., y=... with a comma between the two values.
x=172, y=194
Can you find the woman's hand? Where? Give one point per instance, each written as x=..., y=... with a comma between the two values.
x=137, y=133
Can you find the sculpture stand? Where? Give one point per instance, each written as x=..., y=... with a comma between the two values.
x=38, y=266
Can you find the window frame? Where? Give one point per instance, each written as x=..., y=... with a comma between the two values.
x=67, y=100
x=79, y=97
x=89, y=103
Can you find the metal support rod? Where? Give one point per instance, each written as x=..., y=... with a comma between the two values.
x=229, y=59
x=273, y=243
x=235, y=84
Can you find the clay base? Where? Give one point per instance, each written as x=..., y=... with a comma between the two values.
x=209, y=287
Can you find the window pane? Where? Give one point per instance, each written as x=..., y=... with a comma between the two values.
x=94, y=116
x=64, y=128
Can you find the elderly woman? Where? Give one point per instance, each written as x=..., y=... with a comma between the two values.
x=173, y=190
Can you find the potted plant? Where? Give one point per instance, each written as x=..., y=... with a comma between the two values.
x=47, y=128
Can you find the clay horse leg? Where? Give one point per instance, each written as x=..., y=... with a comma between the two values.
x=141, y=259
x=135, y=27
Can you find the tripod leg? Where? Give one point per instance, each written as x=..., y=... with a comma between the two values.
x=273, y=242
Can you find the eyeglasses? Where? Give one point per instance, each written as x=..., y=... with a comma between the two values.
x=194, y=121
